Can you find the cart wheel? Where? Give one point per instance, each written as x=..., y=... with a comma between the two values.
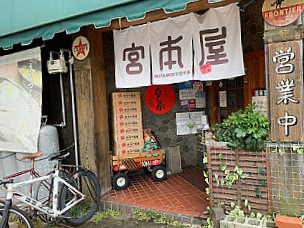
x=120, y=181
x=159, y=173
x=148, y=169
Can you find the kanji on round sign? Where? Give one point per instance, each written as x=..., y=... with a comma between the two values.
x=81, y=48
x=160, y=98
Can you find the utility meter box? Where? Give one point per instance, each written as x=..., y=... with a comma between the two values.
x=56, y=66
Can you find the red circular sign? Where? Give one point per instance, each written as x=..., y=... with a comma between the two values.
x=160, y=98
x=81, y=47
x=282, y=12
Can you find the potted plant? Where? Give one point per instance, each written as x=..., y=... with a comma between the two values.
x=247, y=129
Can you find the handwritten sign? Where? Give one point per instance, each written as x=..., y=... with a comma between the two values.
x=160, y=98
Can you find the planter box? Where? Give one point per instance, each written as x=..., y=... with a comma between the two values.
x=244, y=222
x=228, y=222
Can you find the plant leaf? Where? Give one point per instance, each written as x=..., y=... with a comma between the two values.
x=205, y=160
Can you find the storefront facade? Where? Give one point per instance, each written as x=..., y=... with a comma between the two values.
x=94, y=83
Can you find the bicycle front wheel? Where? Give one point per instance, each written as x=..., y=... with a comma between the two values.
x=86, y=182
x=17, y=218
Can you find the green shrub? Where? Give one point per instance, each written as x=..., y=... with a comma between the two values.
x=246, y=128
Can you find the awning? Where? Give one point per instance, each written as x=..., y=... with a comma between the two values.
x=30, y=19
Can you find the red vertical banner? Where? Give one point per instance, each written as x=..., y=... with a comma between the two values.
x=160, y=98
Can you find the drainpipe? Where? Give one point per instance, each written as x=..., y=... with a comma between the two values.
x=71, y=62
x=63, y=124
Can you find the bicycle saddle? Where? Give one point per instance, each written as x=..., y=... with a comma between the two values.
x=32, y=156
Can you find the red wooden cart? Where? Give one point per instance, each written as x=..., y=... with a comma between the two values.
x=153, y=161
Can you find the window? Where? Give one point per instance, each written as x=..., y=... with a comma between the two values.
x=232, y=97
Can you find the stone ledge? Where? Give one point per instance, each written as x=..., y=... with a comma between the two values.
x=193, y=222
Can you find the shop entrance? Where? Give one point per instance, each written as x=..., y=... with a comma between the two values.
x=176, y=198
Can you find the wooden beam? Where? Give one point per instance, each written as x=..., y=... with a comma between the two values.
x=161, y=14
x=213, y=103
x=92, y=110
x=286, y=33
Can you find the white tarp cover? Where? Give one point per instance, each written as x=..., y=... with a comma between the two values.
x=20, y=101
x=171, y=50
x=217, y=44
x=132, y=57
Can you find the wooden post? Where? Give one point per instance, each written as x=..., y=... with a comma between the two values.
x=269, y=189
x=213, y=105
x=92, y=109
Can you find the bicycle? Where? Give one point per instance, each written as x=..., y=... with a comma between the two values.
x=11, y=216
x=32, y=172
x=64, y=197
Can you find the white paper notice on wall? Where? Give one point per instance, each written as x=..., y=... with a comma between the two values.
x=223, y=99
x=262, y=104
x=205, y=123
x=132, y=57
x=186, y=94
x=188, y=122
x=200, y=98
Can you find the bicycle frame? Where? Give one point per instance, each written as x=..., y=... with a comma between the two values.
x=8, y=203
x=33, y=174
x=53, y=212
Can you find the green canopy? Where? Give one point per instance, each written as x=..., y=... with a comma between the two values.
x=25, y=20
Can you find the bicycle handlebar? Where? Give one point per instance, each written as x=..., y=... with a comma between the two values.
x=60, y=156
x=9, y=181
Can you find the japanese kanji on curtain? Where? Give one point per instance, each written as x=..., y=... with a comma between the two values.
x=132, y=57
x=217, y=49
x=20, y=101
x=171, y=50
x=217, y=44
